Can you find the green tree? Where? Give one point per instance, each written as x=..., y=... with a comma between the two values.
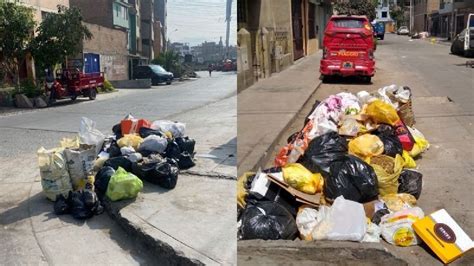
x=398, y=14
x=169, y=60
x=59, y=35
x=16, y=31
x=357, y=7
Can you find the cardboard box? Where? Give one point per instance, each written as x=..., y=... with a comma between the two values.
x=443, y=235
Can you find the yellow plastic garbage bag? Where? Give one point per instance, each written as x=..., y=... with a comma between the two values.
x=55, y=178
x=382, y=112
x=131, y=140
x=123, y=185
x=300, y=178
x=397, y=202
x=421, y=144
x=366, y=146
x=409, y=161
x=241, y=191
x=388, y=170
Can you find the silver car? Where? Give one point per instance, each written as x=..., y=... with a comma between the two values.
x=403, y=30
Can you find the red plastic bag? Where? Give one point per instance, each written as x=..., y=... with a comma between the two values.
x=404, y=135
x=295, y=148
x=131, y=126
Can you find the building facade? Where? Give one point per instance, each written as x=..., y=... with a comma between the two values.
x=449, y=18
x=160, y=14
x=272, y=34
x=382, y=14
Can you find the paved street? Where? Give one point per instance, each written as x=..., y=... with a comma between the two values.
x=443, y=90
x=32, y=234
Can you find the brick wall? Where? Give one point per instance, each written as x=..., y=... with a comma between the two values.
x=111, y=44
x=95, y=11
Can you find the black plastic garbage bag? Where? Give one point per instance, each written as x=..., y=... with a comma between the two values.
x=269, y=221
x=117, y=129
x=102, y=179
x=391, y=144
x=84, y=204
x=61, y=205
x=186, y=144
x=377, y=218
x=164, y=173
x=352, y=178
x=410, y=182
x=172, y=150
x=185, y=161
x=324, y=150
x=145, y=132
x=78, y=206
x=121, y=161
x=114, y=150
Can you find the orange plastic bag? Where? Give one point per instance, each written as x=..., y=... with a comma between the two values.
x=293, y=150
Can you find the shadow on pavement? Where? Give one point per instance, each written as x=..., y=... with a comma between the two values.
x=224, y=152
x=346, y=80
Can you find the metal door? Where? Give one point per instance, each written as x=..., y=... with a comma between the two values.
x=91, y=63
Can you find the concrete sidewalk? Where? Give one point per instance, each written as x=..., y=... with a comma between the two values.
x=269, y=106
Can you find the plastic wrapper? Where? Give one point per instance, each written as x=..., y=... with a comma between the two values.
x=366, y=146
x=373, y=233
x=352, y=178
x=267, y=220
x=324, y=150
x=397, y=227
x=410, y=182
x=388, y=170
x=297, y=145
x=300, y=178
x=344, y=220
x=123, y=185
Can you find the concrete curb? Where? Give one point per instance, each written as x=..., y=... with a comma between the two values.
x=266, y=155
x=164, y=253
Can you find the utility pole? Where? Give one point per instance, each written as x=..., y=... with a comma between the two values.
x=411, y=16
x=228, y=18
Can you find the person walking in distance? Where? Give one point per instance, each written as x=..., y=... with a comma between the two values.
x=210, y=68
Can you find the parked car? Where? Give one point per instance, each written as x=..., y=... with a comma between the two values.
x=379, y=30
x=403, y=30
x=463, y=43
x=348, y=48
x=156, y=73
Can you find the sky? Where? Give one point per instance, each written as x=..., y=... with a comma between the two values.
x=196, y=21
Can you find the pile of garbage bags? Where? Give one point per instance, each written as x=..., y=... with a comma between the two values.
x=348, y=174
x=84, y=171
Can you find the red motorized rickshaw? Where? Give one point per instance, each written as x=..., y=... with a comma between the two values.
x=348, y=48
x=71, y=83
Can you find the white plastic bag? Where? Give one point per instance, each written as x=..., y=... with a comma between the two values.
x=306, y=220
x=90, y=135
x=176, y=128
x=373, y=233
x=344, y=220
x=126, y=150
x=54, y=175
x=154, y=143
x=397, y=227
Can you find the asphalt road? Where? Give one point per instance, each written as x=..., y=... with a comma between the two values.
x=32, y=234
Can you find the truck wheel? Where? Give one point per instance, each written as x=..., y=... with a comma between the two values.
x=74, y=97
x=51, y=98
x=368, y=80
x=92, y=94
x=168, y=83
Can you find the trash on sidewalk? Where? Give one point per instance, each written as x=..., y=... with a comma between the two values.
x=443, y=235
x=361, y=149
x=88, y=169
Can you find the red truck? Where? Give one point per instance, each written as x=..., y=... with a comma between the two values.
x=348, y=48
